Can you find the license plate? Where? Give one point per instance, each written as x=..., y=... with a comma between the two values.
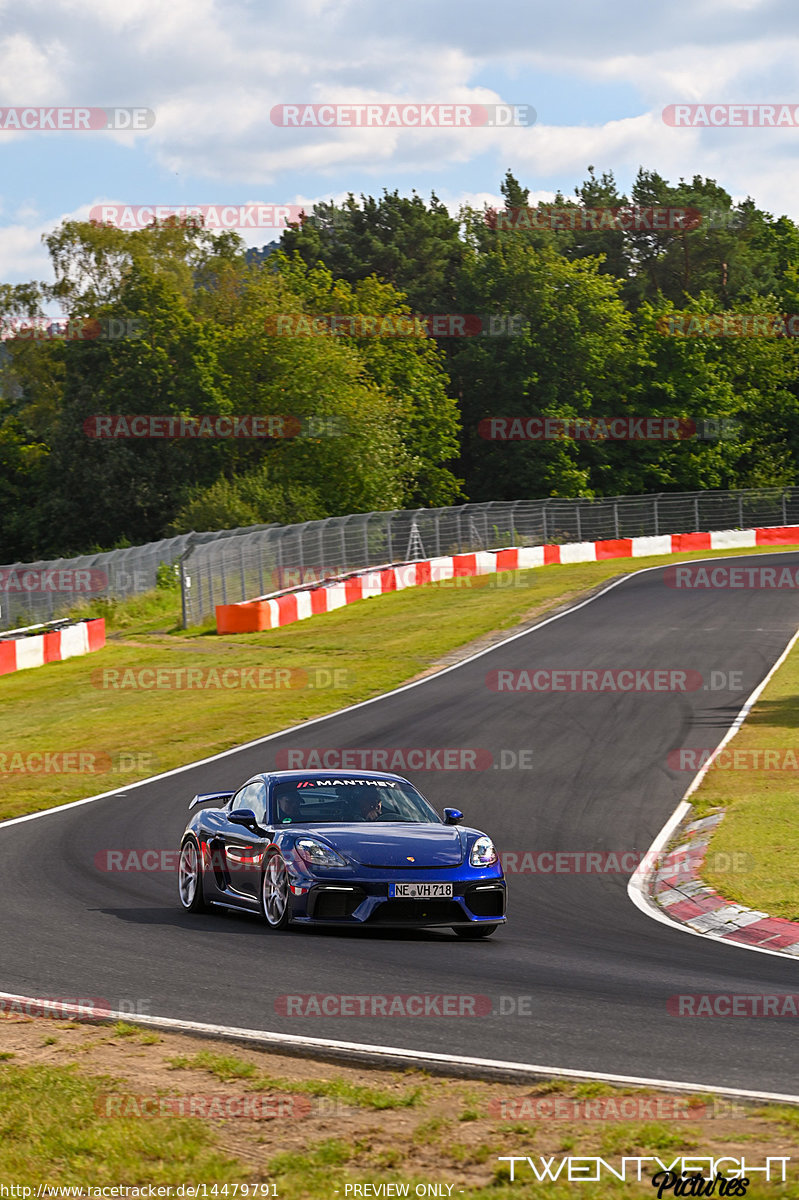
x=420, y=891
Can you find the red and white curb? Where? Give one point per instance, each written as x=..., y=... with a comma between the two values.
x=288, y=606
x=678, y=888
x=21, y=653
x=692, y=906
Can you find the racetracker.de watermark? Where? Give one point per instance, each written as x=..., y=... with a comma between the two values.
x=615, y=862
x=601, y=429
x=385, y=758
x=84, y=329
x=395, y=1004
x=734, y=116
x=402, y=116
x=250, y=1106
x=56, y=580
x=210, y=216
x=143, y=426
x=613, y=1108
x=734, y=1004
x=597, y=679
x=775, y=325
x=576, y=218
x=26, y=119
x=731, y=758
x=75, y=762
x=188, y=679
x=731, y=578
x=396, y=325
x=71, y=1008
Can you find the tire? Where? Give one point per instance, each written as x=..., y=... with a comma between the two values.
x=472, y=932
x=190, y=878
x=275, y=902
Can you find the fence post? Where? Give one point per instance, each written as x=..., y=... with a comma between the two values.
x=616, y=519
x=389, y=543
x=784, y=513
x=579, y=522
x=185, y=584
x=740, y=511
x=696, y=514
x=241, y=570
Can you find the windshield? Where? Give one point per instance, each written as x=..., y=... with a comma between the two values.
x=339, y=799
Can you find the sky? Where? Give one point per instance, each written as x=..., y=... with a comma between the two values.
x=598, y=74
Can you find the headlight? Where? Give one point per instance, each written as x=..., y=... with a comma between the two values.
x=317, y=854
x=483, y=853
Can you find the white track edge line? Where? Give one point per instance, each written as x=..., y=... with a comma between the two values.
x=638, y=886
x=385, y=1055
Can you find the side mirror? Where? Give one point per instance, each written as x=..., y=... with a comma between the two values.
x=243, y=816
x=452, y=816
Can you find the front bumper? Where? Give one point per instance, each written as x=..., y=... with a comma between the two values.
x=362, y=902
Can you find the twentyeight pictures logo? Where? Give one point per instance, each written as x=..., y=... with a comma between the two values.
x=402, y=116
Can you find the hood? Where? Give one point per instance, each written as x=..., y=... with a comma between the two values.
x=386, y=844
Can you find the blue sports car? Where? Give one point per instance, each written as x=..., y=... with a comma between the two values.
x=362, y=849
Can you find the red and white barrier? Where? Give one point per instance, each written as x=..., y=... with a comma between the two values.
x=20, y=653
x=283, y=608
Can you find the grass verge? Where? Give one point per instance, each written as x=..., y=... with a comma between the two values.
x=74, y=1099
x=756, y=783
x=120, y=727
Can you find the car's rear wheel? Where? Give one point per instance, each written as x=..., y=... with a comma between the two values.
x=190, y=877
x=475, y=931
x=275, y=893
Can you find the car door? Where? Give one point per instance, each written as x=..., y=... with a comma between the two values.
x=243, y=849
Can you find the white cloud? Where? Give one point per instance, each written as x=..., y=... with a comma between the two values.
x=213, y=69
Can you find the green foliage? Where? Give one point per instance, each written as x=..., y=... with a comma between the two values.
x=392, y=422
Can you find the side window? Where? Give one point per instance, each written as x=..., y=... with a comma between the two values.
x=252, y=796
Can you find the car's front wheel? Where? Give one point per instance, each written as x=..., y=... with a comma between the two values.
x=275, y=892
x=475, y=931
x=190, y=877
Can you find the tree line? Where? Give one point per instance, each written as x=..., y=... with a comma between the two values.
x=385, y=354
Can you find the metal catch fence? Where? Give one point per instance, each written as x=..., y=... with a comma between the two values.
x=229, y=565
x=256, y=564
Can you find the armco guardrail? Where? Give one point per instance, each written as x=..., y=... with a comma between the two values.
x=230, y=565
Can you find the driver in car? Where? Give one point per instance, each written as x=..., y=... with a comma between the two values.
x=371, y=808
x=290, y=808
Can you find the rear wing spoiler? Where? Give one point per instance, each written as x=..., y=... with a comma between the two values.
x=204, y=797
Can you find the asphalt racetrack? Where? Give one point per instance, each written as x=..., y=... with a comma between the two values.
x=591, y=974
